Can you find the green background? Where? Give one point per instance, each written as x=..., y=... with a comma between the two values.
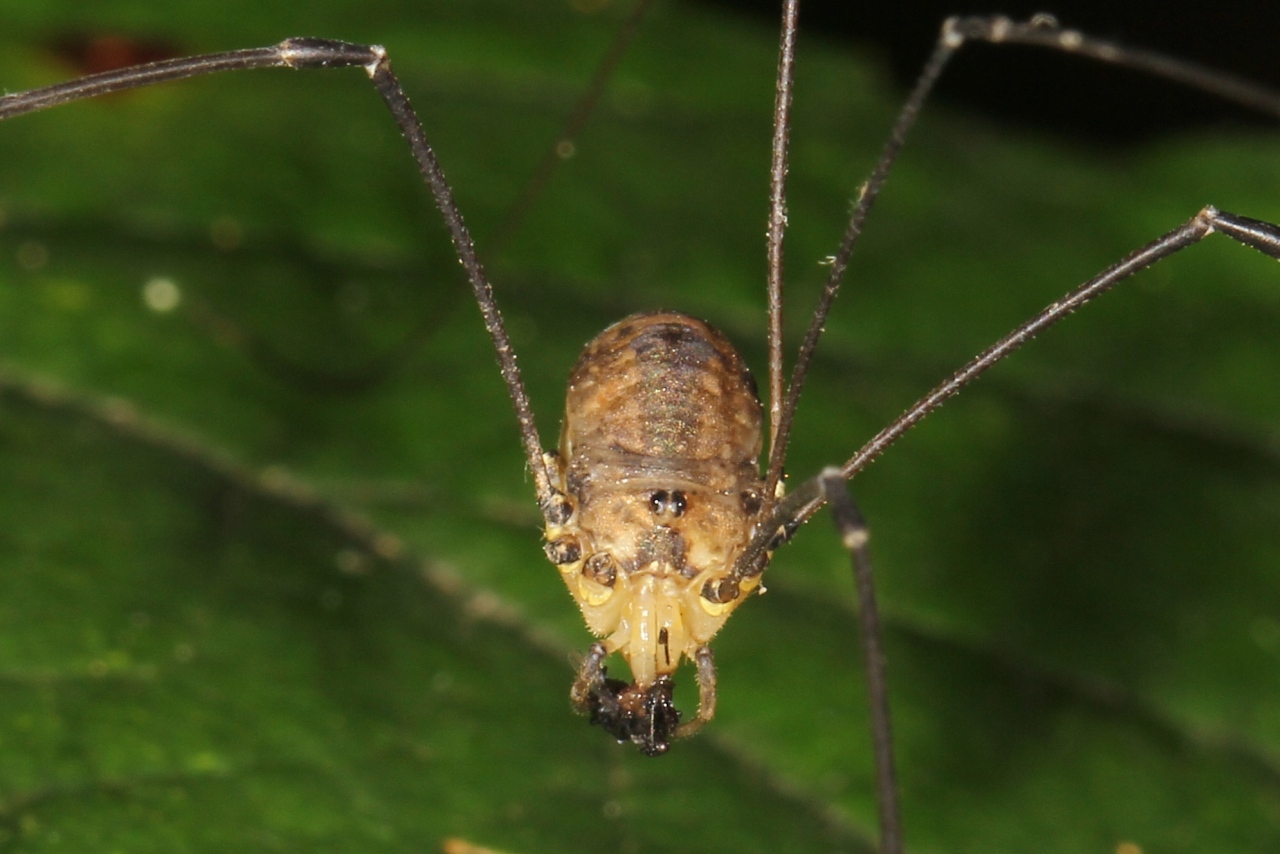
x=270, y=575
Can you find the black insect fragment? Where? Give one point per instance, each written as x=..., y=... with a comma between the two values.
x=646, y=718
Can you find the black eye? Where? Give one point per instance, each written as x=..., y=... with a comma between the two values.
x=658, y=501
x=678, y=503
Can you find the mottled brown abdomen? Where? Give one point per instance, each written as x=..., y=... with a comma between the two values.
x=663, y=386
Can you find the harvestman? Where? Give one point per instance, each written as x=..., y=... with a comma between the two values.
x=655, y=510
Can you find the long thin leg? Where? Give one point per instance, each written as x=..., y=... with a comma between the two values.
x=805, y=500
x=853, y=532
x=327, y=53
x=354, y=381
x=778, y=227
x=1040, y=31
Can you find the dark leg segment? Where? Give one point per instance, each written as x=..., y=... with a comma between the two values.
x=779, y=162
x=853, y=531
x=805, y=500
x=1040, y=31
x=326, y=53
x=1044, y=31
x=1263, y=236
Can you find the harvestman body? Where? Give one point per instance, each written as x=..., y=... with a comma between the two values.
x=657, y=461
x=655, y=511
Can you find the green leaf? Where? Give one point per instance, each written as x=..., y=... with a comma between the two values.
x=270, y=562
